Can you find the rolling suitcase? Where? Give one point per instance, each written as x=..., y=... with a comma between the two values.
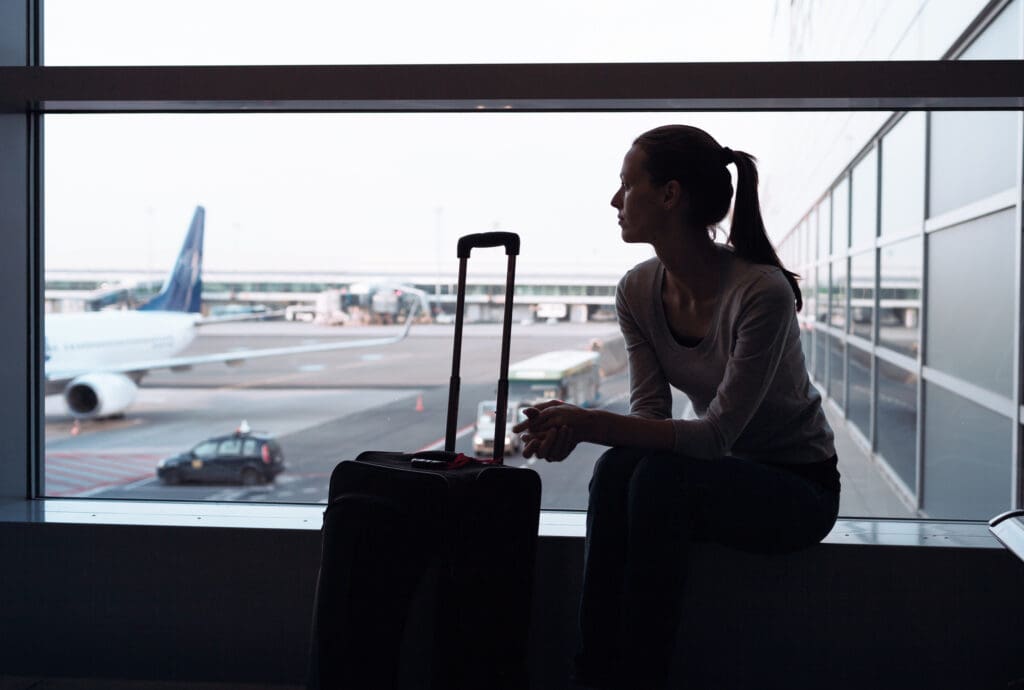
x=427, y=560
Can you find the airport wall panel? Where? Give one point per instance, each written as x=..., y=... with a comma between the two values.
x=824, y=242
x=970, y=305
x=841, y=216
x=820, y=356
x=973, y=155
x=185, y=604
x=901, y=273
x=896, y=420
x=903, y=166
x=864, y=201
x=859, y=396
x=862, y=295
x=837, y=371
x=1001, y=40
x=968, y=458
x=14, y=345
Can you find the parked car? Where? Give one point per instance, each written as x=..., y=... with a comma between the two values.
x=245, y=456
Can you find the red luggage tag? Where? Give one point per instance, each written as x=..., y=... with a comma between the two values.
x=461, y=460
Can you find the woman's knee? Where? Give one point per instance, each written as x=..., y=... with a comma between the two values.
x=658, y=478
x=614, y=469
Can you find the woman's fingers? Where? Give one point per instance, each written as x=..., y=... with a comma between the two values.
x=534, y=420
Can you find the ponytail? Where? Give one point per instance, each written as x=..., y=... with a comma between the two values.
x=747, y=234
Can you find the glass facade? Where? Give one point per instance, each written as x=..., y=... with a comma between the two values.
x=922, y=352
x=908, y=249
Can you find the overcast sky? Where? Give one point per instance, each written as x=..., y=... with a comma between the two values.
x=347, y=192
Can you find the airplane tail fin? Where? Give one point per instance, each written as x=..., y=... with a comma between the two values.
x=183, y=289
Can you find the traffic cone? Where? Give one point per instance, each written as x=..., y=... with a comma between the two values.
x=419, y=402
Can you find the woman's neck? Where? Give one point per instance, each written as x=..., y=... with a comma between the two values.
x=692, y=266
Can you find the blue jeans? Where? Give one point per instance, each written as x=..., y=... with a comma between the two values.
x=645, y=509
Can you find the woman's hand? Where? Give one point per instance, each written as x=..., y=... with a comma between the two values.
x=552, y=430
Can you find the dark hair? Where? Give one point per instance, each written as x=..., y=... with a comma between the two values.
x=693, y=158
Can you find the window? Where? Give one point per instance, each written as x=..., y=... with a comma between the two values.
x=973, y=340
x=899, y=299
x=902, y=202
x=864, y=206
x=112, y=147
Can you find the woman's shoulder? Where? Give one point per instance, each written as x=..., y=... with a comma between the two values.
x=745, y=272
x=641, y=276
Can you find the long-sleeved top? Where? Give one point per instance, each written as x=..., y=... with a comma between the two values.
x=746, y=378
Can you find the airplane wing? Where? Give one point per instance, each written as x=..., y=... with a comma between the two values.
x=137, y=369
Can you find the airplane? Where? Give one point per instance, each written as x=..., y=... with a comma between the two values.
x=96, y=360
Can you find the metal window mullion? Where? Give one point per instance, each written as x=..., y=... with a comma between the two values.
x=876, y=300
x=36, y=485
x=922, y=322
x=1016, y=490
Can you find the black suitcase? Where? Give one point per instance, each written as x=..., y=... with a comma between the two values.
x=427, y=561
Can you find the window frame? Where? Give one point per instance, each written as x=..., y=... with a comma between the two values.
x=29, y=91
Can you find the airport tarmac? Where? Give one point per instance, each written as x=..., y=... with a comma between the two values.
x=323, y=407
x=330, y=406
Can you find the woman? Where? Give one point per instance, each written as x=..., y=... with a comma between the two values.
x=756, y=470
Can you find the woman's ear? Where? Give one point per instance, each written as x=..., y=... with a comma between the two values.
x=673, y=196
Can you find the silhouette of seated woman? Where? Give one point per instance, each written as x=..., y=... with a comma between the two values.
x=756, y=470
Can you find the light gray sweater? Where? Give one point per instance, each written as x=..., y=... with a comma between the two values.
x=746, y=378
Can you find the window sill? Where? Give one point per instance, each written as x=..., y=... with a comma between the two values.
x=847, y=531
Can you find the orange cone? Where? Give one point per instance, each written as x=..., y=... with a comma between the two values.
x=419, y=402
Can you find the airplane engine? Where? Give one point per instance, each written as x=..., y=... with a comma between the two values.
x=99, y=395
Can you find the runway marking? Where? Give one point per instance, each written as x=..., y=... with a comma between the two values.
x=439, y=444
x=80, y=473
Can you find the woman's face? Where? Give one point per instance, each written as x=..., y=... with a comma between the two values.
x=640, y=203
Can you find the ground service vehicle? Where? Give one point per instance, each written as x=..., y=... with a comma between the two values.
x=569, y=375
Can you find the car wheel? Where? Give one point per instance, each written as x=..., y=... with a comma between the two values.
x=171, y=477
x=251, y=477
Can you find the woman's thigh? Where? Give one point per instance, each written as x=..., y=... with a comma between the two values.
x=740, y=503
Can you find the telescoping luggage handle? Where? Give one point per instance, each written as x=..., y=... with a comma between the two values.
x=510, y=241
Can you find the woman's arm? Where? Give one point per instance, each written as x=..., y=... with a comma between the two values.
x=554, y=428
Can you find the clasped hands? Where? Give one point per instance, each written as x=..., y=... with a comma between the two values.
x=552, y=430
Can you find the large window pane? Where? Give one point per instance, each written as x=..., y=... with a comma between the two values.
x=837, y=371
x=973, y=155
x=811, y=252
x=862, y=294
x=896, y=421
x=825, y=227
x=1001, y=40
x=859, y=405
x=970, y=302
x=821, y=339
x=841, y=216
x=968, y=458
x=809, y=289
x=864, y=206
x=837, y=315
x=903, y=176
x=899, y=298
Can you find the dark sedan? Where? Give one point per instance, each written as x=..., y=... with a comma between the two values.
x=246, y=457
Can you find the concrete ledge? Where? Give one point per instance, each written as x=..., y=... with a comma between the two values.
x=233, y=605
